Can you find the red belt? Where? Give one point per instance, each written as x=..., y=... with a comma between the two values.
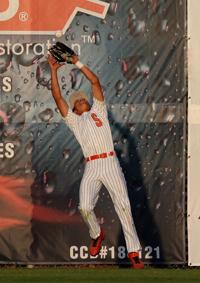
x=102, y=155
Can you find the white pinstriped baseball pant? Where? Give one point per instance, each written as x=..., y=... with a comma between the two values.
x=108, y=172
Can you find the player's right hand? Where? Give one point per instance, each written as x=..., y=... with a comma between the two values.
x=54, y=65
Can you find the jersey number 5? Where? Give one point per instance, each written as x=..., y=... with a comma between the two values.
x=98, y=122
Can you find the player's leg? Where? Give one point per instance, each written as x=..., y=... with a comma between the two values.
x=89, y=192
x=115, y=182
x=113, y=179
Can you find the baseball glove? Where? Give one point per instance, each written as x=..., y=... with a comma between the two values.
x=62, y=53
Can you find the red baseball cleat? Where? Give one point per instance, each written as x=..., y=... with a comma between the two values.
x=135, y=260
x=95, y=245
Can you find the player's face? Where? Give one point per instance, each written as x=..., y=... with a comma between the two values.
x=81, y=106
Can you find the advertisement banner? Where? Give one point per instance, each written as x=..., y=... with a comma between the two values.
x=137, y=49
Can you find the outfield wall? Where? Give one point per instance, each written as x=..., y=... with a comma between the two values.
x=138, y=50
x=193, y=133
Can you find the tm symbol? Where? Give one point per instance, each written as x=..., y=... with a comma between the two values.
x=88, y=38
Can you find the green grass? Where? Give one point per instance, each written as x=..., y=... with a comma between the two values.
x=104, y=275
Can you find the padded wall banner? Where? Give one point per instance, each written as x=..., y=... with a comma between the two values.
x=193, y=134
x=138, y=49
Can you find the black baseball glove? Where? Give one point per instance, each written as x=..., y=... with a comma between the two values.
x=62, y=53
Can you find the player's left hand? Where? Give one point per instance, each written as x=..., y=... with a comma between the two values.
x=74, y=59
x=62, y=53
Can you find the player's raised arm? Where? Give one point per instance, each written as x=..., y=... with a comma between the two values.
x=62, y=53
x=60, y=102
x=94, y=80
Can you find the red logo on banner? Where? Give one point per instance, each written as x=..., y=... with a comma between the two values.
x=45, y=17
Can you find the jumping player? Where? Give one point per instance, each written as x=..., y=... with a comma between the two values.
x=90, y=125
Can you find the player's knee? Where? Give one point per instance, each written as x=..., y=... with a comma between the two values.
x=122, y=204
x=85, y=211
x=124, y=207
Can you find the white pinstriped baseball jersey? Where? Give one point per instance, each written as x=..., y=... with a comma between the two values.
x=92, y=129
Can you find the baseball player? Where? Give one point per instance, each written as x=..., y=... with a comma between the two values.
x=90, y=125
